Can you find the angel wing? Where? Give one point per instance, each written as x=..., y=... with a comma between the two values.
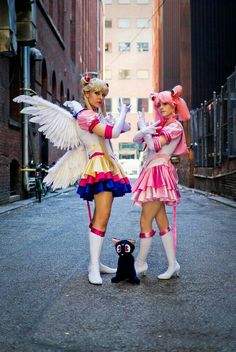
x=68, y=169
x=57, y=124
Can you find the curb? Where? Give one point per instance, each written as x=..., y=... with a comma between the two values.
x=226, y=201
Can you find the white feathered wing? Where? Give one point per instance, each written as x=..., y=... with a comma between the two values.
x=57, y=124
x=61, y=128
x=68, y=169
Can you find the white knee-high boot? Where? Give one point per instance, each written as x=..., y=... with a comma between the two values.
x=141, y=265
x=96, y=238
x=95, y=247
x=104, y=269
x=173, y=265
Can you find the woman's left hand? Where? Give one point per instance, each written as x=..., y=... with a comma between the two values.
x=150, y=129
x=123, y=108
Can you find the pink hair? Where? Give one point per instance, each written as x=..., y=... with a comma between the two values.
x=173, y=98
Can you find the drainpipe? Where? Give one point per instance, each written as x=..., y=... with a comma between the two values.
x=26, y=86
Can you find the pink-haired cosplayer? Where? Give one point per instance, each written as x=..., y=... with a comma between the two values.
x=156, y=185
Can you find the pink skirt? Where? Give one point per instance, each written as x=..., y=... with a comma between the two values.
x=157, y=183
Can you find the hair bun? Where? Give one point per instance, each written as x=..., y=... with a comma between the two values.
x=153, y=96
x=177, y=91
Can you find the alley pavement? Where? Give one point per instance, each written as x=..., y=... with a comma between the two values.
x=47, y=304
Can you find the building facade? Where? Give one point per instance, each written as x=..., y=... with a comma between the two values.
x=45, y=46
x=193, y=47
x=128, y=64
x=172, y=62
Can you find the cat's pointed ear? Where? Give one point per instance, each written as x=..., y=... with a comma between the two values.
x=132, y=241
x=115, y=240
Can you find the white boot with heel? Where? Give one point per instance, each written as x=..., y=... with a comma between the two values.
x=173, y=265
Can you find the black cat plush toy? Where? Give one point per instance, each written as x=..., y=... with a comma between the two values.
x=125, y=267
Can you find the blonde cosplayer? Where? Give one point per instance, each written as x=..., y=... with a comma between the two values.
x=89, y=160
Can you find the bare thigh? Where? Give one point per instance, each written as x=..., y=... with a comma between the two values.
x=103, y=203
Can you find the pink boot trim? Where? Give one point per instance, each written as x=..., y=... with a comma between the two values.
x=147, y=234
x=97, y=232
x=163, y=232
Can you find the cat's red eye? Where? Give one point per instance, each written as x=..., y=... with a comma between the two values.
x=127, y=248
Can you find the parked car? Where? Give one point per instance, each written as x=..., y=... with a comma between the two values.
x=131, y=167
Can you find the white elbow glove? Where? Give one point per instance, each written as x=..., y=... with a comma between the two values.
x=149, y=141
x=119, y=124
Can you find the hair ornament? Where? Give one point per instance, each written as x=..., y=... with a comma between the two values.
x=87, y=78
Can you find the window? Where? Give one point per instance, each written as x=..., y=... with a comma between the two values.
x=126, y=101
x=124, y=46
x=142, y=74
x=142, y=103
x=123, y=23
x=124, y=1
x=125, y=145
x=108, y=74
x=142, y=23
x=142, y=46
x=124, y=74
x=108, y=47
x=142, y=1
x=108, y=104
x=107, y=2
x=108, y=23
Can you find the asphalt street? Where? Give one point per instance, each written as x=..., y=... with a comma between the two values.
x=47, y=304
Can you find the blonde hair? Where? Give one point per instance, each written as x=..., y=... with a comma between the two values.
x=93, y=84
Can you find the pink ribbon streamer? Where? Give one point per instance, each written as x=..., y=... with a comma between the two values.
x=175, y=228
x=89, y=212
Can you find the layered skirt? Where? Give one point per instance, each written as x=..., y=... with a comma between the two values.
x=102, y=175
x=158, y=182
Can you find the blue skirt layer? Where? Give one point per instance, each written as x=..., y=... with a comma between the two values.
x=118, y=189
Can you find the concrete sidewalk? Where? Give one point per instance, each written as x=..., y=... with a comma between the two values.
x=215, y=197
x=5, y=208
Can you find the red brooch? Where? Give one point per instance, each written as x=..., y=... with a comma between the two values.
x=87, y=78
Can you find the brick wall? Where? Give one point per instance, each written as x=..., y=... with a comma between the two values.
x=69, y=48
